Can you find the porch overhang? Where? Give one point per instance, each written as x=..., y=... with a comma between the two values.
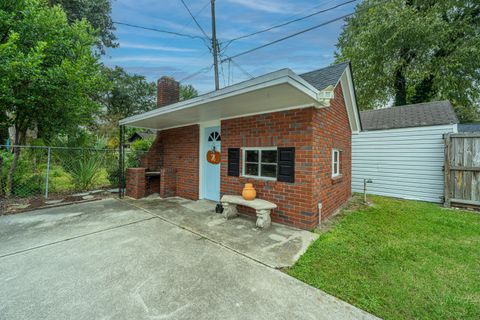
x=280, y=90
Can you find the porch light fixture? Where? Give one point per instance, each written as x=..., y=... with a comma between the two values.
x=326, y=95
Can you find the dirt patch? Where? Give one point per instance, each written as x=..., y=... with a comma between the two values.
x=18, y=205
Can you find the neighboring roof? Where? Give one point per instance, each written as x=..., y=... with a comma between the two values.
x=414, y=115
x=141, y=135
x=322, y=78
x=469, y=127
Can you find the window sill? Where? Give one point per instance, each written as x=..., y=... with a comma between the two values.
x=337, y=179
x=259, y=178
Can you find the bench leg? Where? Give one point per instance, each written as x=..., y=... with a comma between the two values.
x=263, y=219
x=229, y=211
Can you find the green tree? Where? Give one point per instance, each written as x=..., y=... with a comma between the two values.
x=97, y=12
x=128, y=95
x=187, y=92
x=410, y=51
x=50, y=77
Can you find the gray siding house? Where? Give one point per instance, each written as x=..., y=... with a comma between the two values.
x=401, y=150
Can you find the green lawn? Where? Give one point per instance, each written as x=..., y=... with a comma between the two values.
x=400, y=259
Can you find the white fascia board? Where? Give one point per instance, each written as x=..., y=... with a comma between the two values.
x=352, y=103
x=270, y=79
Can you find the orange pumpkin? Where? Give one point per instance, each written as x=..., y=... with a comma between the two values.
x=213, y=157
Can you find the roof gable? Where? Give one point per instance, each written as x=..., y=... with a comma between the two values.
x=329, y=76
x=415, y=115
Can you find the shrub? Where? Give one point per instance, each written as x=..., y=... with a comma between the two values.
x=137, y=149
x=28, y=179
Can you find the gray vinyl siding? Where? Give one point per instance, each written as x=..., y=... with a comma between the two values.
x=403, y=163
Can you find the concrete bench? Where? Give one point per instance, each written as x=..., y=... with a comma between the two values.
x=262, y=208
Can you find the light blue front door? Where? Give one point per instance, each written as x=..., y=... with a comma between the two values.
x=211, y=172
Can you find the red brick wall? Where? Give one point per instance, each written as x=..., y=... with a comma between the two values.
x=175, y=153
x=332, y=131
x=313, y=132
x=281, y=129
x=136, y=183
x=153, y=159
x=168, y=91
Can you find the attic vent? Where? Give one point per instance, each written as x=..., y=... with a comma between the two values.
x=326, y=95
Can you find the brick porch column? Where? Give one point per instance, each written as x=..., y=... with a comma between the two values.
x=136, y=183
x=168, y=183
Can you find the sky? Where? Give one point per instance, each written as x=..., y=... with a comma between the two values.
x=153, y=54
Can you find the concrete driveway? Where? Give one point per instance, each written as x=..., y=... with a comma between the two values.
x=110, y=260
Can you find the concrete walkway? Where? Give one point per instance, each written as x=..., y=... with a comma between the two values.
x=279, y=246
x=109, y=260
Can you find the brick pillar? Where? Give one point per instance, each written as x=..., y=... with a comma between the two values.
x=168, y=91
x=136, y=184
x=168, y=183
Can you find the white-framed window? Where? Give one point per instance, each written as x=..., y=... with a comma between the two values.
x=260, y=163
x=335, y=163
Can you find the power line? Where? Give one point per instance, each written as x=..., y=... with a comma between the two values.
x=248, y=74
x=203, y=8
x=287, y=23
x=190, y=21
x=195, y=20
x=159, y=30
x=300, y=32
x=203, y=70
x=223, y=75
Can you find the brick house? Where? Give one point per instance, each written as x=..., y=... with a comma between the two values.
x=288, y=134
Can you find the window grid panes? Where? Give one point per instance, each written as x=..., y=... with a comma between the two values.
x=261, y=163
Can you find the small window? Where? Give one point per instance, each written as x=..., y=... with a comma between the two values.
x=260, y=163
x=214, y=136
x=335, y=163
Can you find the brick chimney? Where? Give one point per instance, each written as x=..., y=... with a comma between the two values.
x=168, y=91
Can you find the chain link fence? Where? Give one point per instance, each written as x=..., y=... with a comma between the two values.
x=44, y=173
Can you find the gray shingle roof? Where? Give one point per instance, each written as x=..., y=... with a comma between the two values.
x=469, y=127
x=415, y=115
x=142, y=135
x=325, y=77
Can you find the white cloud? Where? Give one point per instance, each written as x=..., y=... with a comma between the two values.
x=181, y=61
x=130, y=45
x=264, y=5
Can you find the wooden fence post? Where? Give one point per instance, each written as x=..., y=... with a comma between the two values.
x=447, y=172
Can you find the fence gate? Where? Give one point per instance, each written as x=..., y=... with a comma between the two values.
x=462, y=169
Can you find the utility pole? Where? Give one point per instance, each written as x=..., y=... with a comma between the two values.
x=214, y=47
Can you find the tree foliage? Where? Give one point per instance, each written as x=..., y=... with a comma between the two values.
x=187, y=91
x=131, y=94
x=411, y=51
x=128, y=94
x=49, y=75
x=97, y=13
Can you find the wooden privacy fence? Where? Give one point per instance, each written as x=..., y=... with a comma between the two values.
x=462, y=169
